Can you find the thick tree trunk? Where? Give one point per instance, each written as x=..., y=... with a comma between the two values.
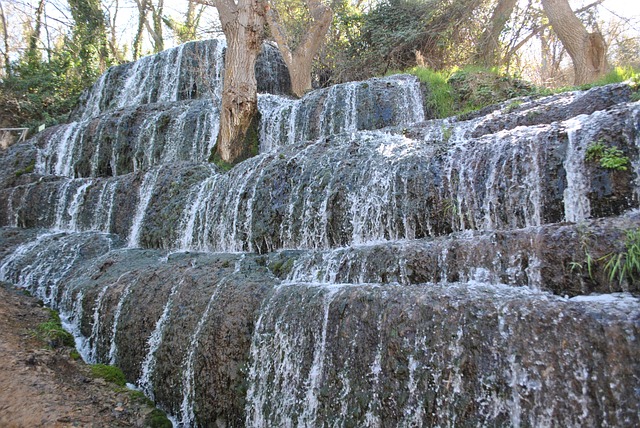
x=488, y=49
x=243, y=26
x=300, y=72
x=587, y=50
x=300, y=61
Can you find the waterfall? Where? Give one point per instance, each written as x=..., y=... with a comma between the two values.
x=148, y=365
x=369, y=267
x=187, y=416
x=90, y=353
x=145, y=195
x=575, y=195
x=113, y=347
x=277, y=395
x=344, y=108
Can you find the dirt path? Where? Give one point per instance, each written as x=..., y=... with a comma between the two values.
x=40, y=387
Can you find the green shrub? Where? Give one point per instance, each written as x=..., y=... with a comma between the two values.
x=463, y=90
x=139, y=397
x=617, y=75
x=54, y=335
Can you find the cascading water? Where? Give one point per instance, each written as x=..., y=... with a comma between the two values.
x=148, y=365
x=367, y=268
x=188, y=378
x=345, y=108
x=146, y=192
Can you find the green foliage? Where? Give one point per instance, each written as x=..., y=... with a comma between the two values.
x=471, y=88
x=585, y=239
x=43, y=92
x=215, y=159
x=281, y=268
x=477, y=87
x=617, y=75
x=295, y=17
x=109, y=373
x=513, y=106
x=607, y=156
x=54, y=335
x=43, y=89
x=619, y=266
x=625, y=264
x=52, y=332
x=74, y=355
x=89, y=39
x=440, y=96
x=399, y=34
x=589, y=263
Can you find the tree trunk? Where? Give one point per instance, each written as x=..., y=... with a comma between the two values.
x=488, y=50
x=142, y=18
x=116, y=53
x=243, y=26
x=5, y=40
x=33, y=53
x=587, y=50
x=300, y=61
x=156, y=30
x=300, y=72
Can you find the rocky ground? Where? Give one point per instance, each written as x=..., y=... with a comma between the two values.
x=44, y=387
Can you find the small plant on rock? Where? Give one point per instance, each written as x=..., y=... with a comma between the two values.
x=626, y=263
x=607, y=156
x=513, y=105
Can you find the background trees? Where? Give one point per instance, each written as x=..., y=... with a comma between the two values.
x=51, y=49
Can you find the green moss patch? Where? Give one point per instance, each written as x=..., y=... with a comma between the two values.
x=109, y=373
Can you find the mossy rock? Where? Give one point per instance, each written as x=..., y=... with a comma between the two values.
x=157, y=419
x=111, y=374
x=52, y=332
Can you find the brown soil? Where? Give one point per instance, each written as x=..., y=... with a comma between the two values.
x=41, y=387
